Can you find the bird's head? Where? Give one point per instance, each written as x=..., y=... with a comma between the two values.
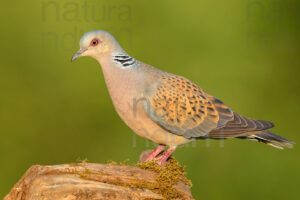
x=95, y=44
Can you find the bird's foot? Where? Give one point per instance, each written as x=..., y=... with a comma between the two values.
x=161, y=160
x=153, y=154
x=159, y=157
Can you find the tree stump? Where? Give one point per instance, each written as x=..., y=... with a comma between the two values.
x=91, y=181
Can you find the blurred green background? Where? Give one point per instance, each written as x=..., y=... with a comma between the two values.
x=245, y=52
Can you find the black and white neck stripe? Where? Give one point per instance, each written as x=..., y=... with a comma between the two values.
x=124, y=60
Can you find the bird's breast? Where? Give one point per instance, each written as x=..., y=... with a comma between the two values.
x=124, y=87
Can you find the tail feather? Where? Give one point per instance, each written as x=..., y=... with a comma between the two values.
x=272, y=140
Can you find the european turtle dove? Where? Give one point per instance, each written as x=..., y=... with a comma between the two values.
x=165, y=108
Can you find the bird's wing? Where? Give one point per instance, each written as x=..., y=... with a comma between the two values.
x=240, y=126
x=183, y=108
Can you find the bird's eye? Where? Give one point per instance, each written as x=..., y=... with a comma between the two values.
x=94, y=42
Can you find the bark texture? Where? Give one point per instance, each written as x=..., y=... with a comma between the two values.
x=89, y=181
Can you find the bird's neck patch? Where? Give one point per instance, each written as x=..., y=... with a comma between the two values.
x=123, y=60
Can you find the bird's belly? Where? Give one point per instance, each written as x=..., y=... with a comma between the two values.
x=133, y=114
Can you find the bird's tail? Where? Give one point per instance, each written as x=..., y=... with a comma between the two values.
x=272, y=140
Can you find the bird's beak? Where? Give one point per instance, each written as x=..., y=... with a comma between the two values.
x=78, y=54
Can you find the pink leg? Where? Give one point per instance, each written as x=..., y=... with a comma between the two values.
x=166, y=155
x=155, y=152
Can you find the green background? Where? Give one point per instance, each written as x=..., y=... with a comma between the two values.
x=244, y=52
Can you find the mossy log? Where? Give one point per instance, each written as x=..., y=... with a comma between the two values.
x=91, y=181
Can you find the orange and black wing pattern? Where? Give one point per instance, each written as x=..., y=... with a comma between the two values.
x=183, y=108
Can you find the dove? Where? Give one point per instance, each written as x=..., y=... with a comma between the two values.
x=167, y=109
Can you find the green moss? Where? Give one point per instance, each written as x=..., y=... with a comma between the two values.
x=125, y=162
x=74, y=164
x=166, y=180
x=167, y=177
x=79, y=162
x=87, y=171
x=110, y=162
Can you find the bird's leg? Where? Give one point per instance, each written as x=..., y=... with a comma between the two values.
x=166, y=155
x=155, y=152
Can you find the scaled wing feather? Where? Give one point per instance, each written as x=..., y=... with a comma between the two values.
x=183, y=108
